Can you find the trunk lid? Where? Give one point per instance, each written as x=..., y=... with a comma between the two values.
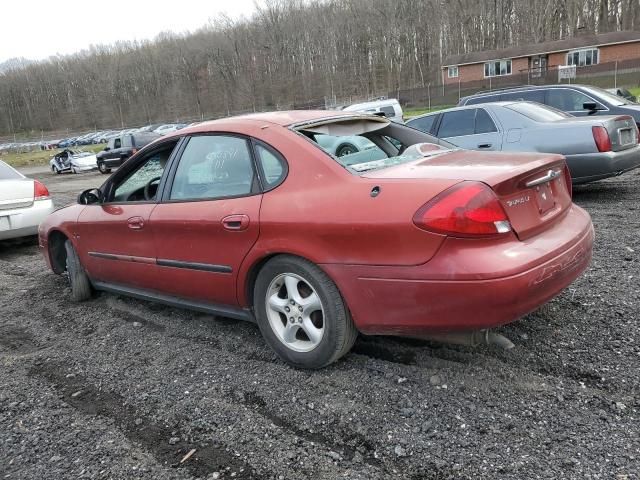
x=623, y=132
x=622, y=129
x=532, y=187
x=16, y=193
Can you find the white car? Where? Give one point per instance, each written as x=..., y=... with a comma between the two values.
x=389, y=107
x=75, y=161
x=168, y=128
x=24, y=203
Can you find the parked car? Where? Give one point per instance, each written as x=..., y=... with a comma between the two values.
x=24, y=203
x=390, y=108
x=120, y=148
x=595, y=147
x=167, y=128
x=74, y=161
x=250, y=218
x=624, y=93
x=579, y=100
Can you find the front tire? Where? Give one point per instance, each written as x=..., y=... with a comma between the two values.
x=103, y=168
x=78, y=279
x=301, y=313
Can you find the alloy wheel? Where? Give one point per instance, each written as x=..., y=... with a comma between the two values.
x=295, y=312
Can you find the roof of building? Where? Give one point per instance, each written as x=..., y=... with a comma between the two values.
x=580, y=41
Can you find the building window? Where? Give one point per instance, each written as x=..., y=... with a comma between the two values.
x=583, y=58
x=497, y=68
x=453, y=72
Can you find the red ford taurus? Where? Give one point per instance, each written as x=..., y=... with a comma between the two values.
x=258, y=218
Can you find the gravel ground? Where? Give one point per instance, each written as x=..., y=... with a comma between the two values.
x=119, y=388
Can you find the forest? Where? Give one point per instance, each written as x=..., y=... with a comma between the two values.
x=285, y=54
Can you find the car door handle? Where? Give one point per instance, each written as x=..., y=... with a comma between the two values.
x=484, y=145
x=135, y=223
x=236, y=222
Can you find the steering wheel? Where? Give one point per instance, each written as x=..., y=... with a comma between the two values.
x=147, y=188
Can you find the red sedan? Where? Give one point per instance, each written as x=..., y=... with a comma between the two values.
x=256, y=218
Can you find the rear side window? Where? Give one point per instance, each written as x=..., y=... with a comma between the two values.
x=484, y=124
x=273, y=166
x=457, y=123
x=424, y=124
x=213, y=166
x=388, y=111
x=8, y=173
x=530, y=96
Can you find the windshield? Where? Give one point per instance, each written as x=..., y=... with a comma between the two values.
x=608, y=97
x=537, y=112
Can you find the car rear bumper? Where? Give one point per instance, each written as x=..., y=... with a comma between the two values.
x=23, y=222
x=589, y=167
x=469, y=284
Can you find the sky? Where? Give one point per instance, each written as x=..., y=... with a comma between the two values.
x=38, y=29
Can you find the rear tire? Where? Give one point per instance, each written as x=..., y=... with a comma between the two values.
x=301, y=313
x=78, y=279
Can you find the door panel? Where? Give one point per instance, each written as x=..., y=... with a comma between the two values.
x=116, y=243
x=200, y=246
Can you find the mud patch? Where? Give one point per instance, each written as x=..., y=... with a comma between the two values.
x=85, y=397
x=14, y=339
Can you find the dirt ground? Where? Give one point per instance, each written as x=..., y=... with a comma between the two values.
x=119, y=388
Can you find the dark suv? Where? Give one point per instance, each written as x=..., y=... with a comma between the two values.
x=577, y=100
x=120, y=148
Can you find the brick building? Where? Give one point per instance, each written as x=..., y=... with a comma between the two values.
x=536, y=59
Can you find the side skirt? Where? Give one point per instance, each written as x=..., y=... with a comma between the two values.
x=211, y=308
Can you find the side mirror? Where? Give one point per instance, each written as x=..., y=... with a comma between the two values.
x=106, y=149
x=90, y=197
x=591, y=106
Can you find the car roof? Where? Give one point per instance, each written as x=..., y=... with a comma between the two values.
x=285, y=118
x=502, y=103
x=523, y=87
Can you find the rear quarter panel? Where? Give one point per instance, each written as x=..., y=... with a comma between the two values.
x=324, y=213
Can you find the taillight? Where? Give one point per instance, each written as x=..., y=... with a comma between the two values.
x=568, y=181
x=468, y=209
x=40, y=192
x=601, y=137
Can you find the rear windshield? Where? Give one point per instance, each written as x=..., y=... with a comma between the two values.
x=8, y=173
x=372, y=145
x=537, y=112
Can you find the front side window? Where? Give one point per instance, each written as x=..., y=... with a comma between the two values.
x=117, y=143
x=214, y=166
x=141, y=184
x=497, y=68
x=453, y=71
x=583, y=58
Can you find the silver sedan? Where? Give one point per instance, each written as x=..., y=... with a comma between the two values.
x=595, y=147
x=24, y=203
